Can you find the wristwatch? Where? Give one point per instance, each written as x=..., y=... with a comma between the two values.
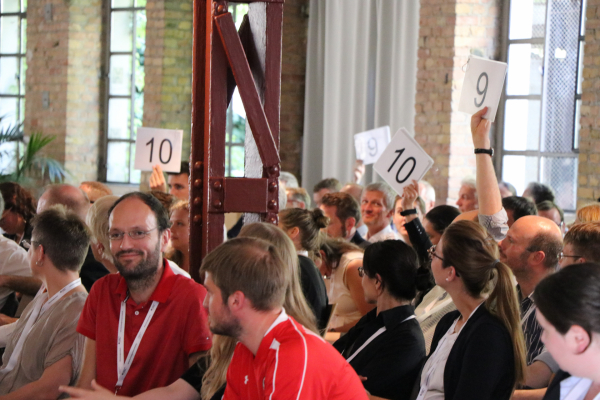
x=489, y=151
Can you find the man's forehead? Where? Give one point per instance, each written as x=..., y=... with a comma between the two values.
x=131, y=212
x=373, y=195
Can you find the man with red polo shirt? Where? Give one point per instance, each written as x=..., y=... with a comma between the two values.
x=145, y=326
x=276, y=357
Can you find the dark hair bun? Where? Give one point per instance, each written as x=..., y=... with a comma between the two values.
x=321, y=221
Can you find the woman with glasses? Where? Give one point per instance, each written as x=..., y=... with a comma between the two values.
x=478, y=351
x=19, y=210
x=44, y=350
x=568, y=308
x=386, y=346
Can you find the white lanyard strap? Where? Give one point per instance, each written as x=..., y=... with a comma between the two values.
x=122, y=364
x=369, y=340
x=35, y=314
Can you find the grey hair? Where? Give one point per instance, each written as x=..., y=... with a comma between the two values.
x=388, y=193
x=470, y=182
x=429, y=192
x=289, y=179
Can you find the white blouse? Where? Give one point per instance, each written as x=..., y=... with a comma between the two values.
x=575, y=388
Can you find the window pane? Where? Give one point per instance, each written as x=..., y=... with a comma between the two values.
x=140, y=3
x=118, y=162
x=120, y=75
x=525, y=69
x=23, y=36
x=122, y=3
x=9, y=35
x=584, y=8
x=23, y=74
x=527, y=19
x=580, y=67
x=522, y=125
x=519, y=171
x=22, y=109
x=560, y=173
x=119, y=117
x=8, y=75
x=121, y=31
x=237, y=161
x=23, y=5
x=136, y=174
x=8, y=111
x=10, y=6
x=8, y=161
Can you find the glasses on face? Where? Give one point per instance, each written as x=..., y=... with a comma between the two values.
x=361, y=271
x=135, y=235
x=563, y=255
x=28, y=243
x=432, y=254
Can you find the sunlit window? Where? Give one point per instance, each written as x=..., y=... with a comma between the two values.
x=125, y=88
x=540, y=110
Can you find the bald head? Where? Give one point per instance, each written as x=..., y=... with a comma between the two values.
x=354, y=190
x=69, y=196
x=533, y=225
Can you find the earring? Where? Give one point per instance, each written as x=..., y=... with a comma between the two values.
x=447, y=279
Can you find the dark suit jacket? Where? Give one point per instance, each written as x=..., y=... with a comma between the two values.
x=553, y=392
x=313, y=287
x=480, y=365
x=358, y=240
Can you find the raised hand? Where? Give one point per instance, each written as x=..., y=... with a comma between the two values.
x=157, y=179
x=480, y=130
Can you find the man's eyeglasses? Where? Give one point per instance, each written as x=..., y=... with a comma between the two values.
x=563, y=255
x=432, y=254
x=28, y=243
x=135, y=235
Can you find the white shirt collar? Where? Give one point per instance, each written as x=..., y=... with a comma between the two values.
x=575, y=388
x=384, y=234
x=281, y=318
x=302, y=253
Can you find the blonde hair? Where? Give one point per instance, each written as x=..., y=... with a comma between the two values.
x=589, y=213
x=97, y=221
x=215, y=376
x=295, y=303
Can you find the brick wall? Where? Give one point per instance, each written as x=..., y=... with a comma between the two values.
x=449, y=32
x=589, y=135
x=293, y=76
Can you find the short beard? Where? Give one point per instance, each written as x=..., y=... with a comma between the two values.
x=230, y=327
x=142, y=275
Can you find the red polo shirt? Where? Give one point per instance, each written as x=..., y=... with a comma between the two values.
x=178, y=329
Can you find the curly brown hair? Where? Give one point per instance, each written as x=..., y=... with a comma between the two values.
x=18, y=199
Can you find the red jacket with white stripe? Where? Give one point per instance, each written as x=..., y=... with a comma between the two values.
x=291, y=363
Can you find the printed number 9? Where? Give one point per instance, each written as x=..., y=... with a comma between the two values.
x=372, y=145
x=414, y=164
x=482, y=92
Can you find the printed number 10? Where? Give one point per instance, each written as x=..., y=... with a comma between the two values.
x=160, y=150
x=414, y=164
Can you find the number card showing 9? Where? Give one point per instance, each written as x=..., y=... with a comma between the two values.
x=402, y=161
x=482, y=87
x=158, y=147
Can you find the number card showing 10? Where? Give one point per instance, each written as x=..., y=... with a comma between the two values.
x=158, y=147
x=402, y=161
x=482, y=87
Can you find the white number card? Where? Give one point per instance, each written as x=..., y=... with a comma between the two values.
x=158, y=147
x=482, y=87
x=370, y=145
x=402, y=161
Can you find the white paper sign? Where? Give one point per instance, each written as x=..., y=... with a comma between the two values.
x=402, y=161
x=482, y=87
x=158, y=147
x=370, y=145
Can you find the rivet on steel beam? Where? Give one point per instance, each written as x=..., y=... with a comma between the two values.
x=217, y=204
x=273, y=186
x=198, y=165
x=197, y=218
x=274, y=169
x=217, y=185
x=197, y=182
x=220, y=8
x=272, y=219
x=197, y=200
x=272, y=204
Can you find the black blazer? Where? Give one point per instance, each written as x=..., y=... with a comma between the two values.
x=480, y=365
x=553, y=392
x=313, y=287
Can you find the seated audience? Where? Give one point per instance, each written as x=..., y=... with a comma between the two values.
x=386, y=346
x=477, y=351
x=303, y=227
x=506, y=189
x=95, y=190
x=180, y=235
x=343, y=212
x=246, y=282
x=552, y=211
x=581, y=244
x=568, y=310
x=296, y=302
x=97, y=221
x=177, y=182
x=467, y=196
x=517, y=207
x=44, y=350
x=329, y=185
x=427, y=193
x=145, y=290
x=355, y=190
x=340, y=263
x=166, y=199
x=538, y=192
x=588, y=213
x=19, y=210
x=403, y=208
x=377, y=208
x=297, y=198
